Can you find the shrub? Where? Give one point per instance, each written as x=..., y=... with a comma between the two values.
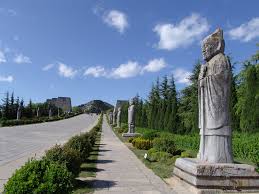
x=150, y=135
x=164, y=144
x=187, y=154
x=82, y=144
x=142, y=144
x=65, y=155
x=157, y=156
x=131, y=139
x=40, y=176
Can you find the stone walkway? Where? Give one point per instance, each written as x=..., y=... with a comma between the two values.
x=120, y=171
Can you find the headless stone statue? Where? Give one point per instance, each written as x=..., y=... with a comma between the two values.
x=119, y=117
x=214, y=98
x=114, y=116
x=131, y=117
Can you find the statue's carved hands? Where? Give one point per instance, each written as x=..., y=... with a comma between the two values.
x=202, y=72
x=202, y=75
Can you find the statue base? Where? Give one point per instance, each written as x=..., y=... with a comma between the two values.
x=218, y=177
x=128, y=135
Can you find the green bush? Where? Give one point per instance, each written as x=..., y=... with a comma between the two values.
x=187, y=154
x=164, y=144
x=65, y=155
x=131, y=139
x=142, y=144
x=150, y=135
x=38, y=177
x=157, y=156
x=82, y=144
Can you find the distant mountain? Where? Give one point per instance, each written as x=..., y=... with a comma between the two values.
x=95, y=106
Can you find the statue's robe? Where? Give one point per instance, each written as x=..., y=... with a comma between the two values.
x=131, y=119
x=214, y=120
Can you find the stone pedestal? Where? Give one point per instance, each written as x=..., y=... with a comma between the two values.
x=218, y=177
x=128, y=135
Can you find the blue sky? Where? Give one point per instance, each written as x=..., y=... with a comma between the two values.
x=113, y=49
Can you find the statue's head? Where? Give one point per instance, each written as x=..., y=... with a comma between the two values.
x=213, y=45
x=131, y=101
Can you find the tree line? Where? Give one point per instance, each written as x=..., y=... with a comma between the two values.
x=177, y=111
x=11, y=104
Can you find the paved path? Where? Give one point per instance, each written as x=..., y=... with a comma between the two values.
x=19, y=143
x=120, y=171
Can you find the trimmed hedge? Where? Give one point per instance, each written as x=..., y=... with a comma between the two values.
x=67, y=156
x=156, y=156
x=142, y=144
x=6, y=123
x=40, y=176
x=165, y=144
x=56, y=171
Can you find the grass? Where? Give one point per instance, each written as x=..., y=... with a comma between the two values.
x=88, y=171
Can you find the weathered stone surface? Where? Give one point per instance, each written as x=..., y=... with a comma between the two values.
x=214, y=99
x=50, y=113
x=114, y=116
x=127, y=135
x=19, y=112
x=217, y=176
x=119, y=117
x=110, y=118
x=131, y=116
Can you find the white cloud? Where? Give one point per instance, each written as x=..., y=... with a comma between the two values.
x=116, y=19
x=6, y=78
x=182, y=76
x=126, y=70
x=190, y=29
x=129, y=69
x=48, y=67
x=154, y=65
x=247, y=31
x=2, y=57
x=20, y=58
x=66, y=71
x=97, y=71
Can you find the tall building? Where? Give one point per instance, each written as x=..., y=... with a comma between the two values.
x=63, y=103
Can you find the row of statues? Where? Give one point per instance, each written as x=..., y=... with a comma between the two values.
x=19, y=113
x=115, y=118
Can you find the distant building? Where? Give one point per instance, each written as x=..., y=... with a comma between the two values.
x=63, y=103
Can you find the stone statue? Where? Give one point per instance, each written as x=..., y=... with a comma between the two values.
x=119, y=117
x=110, y=117
x=213, y=171
x=50, y=113
x=214, y=98
x=18, y=115
x=131, y=116
x=38, y=112
x=114, y=116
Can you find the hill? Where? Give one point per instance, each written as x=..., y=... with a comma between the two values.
x=95, y=106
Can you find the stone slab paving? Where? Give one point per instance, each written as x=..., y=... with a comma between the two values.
x=19, y=143
x=120, y=171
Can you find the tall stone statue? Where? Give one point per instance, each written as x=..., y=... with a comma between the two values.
x=119, y=117
x=19, y=112
x=110, y=117
x=213, y=171
x=50, y=113
x=114, y=116
x=131, y=116
x=131, y=120
x=38, y=112
x=214, y=99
